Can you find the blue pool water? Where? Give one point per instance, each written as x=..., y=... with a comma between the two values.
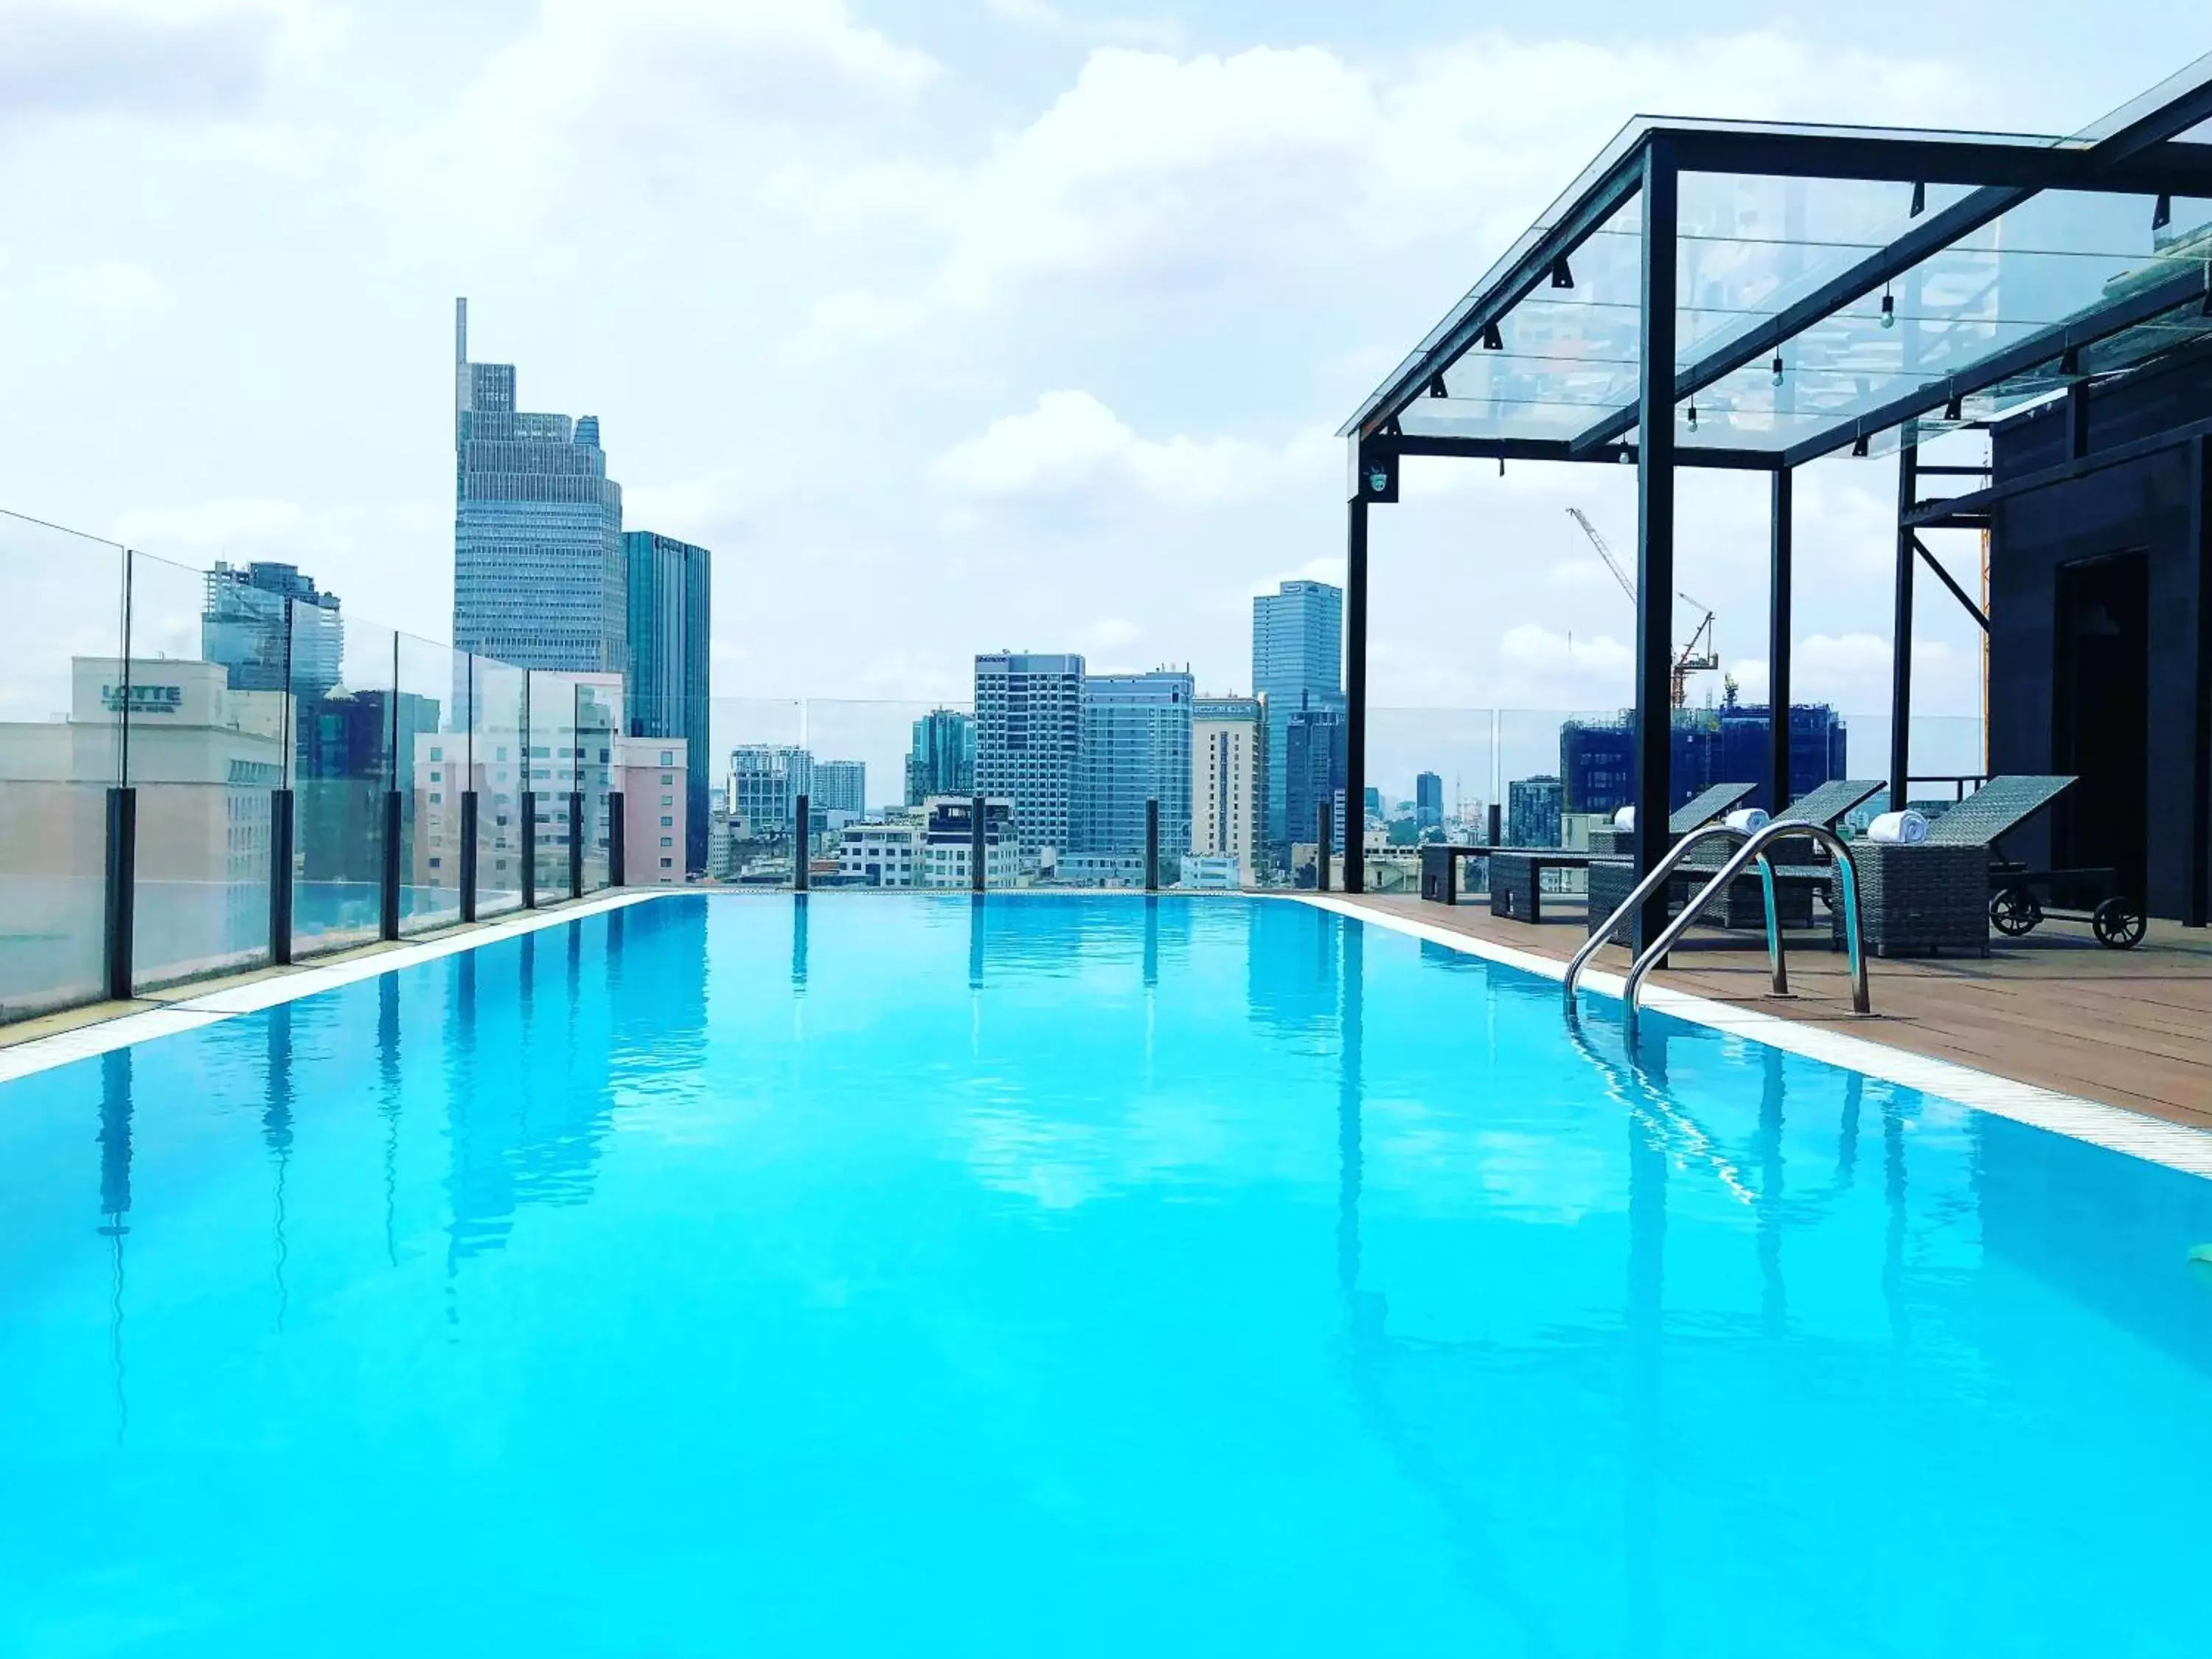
x=1068, y=1275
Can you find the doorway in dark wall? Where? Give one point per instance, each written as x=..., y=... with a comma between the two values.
x=2100, y=714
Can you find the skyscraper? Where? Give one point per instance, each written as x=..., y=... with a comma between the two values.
x=1028, y=715
x=1298, y=663
x=1314, y=768
x=1532, y=813
x=539, y=578
x=272, y=629
x=766, y=780
x=1134, y=747
x=942, y=760
x=840, y=786
x=669, y=598
x=1428, y=800
x=1229, y=781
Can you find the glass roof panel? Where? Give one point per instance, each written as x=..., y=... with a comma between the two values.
x=1752, y=246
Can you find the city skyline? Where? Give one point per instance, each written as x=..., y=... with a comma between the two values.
x=368, y=166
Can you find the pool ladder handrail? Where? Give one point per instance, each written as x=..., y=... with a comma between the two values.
x=1754, y=849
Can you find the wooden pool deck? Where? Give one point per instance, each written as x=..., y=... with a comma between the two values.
x=2129, y=1028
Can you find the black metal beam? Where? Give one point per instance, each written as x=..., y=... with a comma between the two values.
x=1534, y=267
x=1355, y=696
x=1900, y=660
x=1559, y=449
x=2177, y=168
x=1655, y=534
x=2050, y=344
x=1944, y=513
x=1777, y=643
x=1951, y=582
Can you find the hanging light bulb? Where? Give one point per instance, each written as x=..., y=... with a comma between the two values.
x=1693, y=414
x=1889, y=308
x=1777, y=368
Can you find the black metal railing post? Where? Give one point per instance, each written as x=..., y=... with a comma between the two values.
x=1497, y=825
x=469, y=821
x=529, y=843
x=575, y=843
x=802, y=842
x=1325, y=833
x=122, y=887
x=281, y=822
x=618, y=849
x=391, y=873
x=977, y=845
x=1151, y=844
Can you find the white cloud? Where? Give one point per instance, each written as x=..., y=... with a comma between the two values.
x=1070, y=440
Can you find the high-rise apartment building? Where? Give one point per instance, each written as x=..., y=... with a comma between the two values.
x=942, y=760
x=1298, y=663
x=1134, y=747
x=766, y=780
x=1532, y=813
x=1428, y=800
x=272, y=629
x=539, y=576
x=1029, y=720
x=669, y=595
x=840, y=786
x=1314, y=768
x=1229, y=781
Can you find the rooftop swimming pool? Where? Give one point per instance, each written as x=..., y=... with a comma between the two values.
x=1068, y=1275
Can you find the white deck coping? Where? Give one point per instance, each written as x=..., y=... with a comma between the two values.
x=2114, y=1127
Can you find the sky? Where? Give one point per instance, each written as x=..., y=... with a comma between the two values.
x=950, y=327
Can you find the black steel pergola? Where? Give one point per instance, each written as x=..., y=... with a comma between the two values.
x=1756, y=296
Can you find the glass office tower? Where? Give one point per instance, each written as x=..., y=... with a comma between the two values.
x=1298, y=663
x=670, y=600
x=539, y=579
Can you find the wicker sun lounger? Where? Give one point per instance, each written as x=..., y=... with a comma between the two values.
x=1934, y=895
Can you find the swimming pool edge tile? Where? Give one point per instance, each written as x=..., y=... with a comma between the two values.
x=2137, y=1134
x=190, y=1013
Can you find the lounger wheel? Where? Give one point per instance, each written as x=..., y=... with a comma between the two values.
x=2015, y=911
x=2118, y=924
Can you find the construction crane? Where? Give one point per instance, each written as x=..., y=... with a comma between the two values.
x=1697, y=654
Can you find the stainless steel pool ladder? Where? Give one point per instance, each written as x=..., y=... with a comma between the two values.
x=1752, y=850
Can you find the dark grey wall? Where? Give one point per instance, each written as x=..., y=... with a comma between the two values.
x=2138, y=505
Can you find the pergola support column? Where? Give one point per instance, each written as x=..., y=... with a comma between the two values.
x=1355, y=695
x=1900, y=662
x=1655, y=531
x=1777, y=647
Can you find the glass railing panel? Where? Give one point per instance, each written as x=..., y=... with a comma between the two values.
x=892, y=786
x=497, y=769
x=350, y=724
x=763, y=763
x=1946, y=757
x=599, y=723
x=551, y=765
x=206, y=713
x=433, y=772
x=61, y=702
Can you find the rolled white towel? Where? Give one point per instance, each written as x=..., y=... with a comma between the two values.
x=1745, y=819
x=1905, y=828
x=1625, y=818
